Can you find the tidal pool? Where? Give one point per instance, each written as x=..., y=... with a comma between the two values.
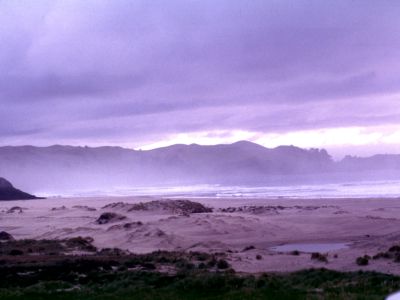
x=310, y=247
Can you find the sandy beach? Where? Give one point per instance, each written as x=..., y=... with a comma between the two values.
x=248, y=230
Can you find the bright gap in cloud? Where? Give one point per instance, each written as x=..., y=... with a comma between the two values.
x=203, y=138
x=377, y=138
x=323, y=137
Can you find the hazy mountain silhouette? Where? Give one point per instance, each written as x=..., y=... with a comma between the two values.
x=59, y=168
x=8, y=192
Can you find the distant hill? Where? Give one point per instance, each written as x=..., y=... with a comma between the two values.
x=376, y=162
x=59, y=168
x=8, y=192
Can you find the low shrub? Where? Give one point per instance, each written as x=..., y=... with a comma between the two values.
x=320, y=257
x=251, y=247
x=362, y=260
x=222, y=264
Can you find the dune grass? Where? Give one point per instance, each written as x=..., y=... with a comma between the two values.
x=93, y=283
x=42, y=270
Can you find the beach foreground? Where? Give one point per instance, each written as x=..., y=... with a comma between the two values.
x=248, y=231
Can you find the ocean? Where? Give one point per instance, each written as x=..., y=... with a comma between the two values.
x=365, y=189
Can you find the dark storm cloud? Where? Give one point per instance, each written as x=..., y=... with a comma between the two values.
x=133, y=69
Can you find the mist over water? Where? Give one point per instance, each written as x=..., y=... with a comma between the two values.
x=365, y=189
x=241, y=169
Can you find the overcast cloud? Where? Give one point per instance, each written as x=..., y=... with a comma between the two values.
x=138, y=72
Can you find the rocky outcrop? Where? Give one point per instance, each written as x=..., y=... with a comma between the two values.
x=8, y=192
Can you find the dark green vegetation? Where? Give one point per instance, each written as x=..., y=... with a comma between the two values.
x=33, y=248
x=392, y=253
x=50, y=271
x=320, y=257
x=172, y=206
x=363, y=260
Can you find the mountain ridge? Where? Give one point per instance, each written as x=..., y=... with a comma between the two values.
x=81, y=167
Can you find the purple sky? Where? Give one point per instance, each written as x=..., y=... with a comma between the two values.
x=150, y=73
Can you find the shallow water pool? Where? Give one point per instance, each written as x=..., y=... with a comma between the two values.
x=310, y=247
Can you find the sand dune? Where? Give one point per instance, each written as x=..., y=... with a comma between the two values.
x=246, y=229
